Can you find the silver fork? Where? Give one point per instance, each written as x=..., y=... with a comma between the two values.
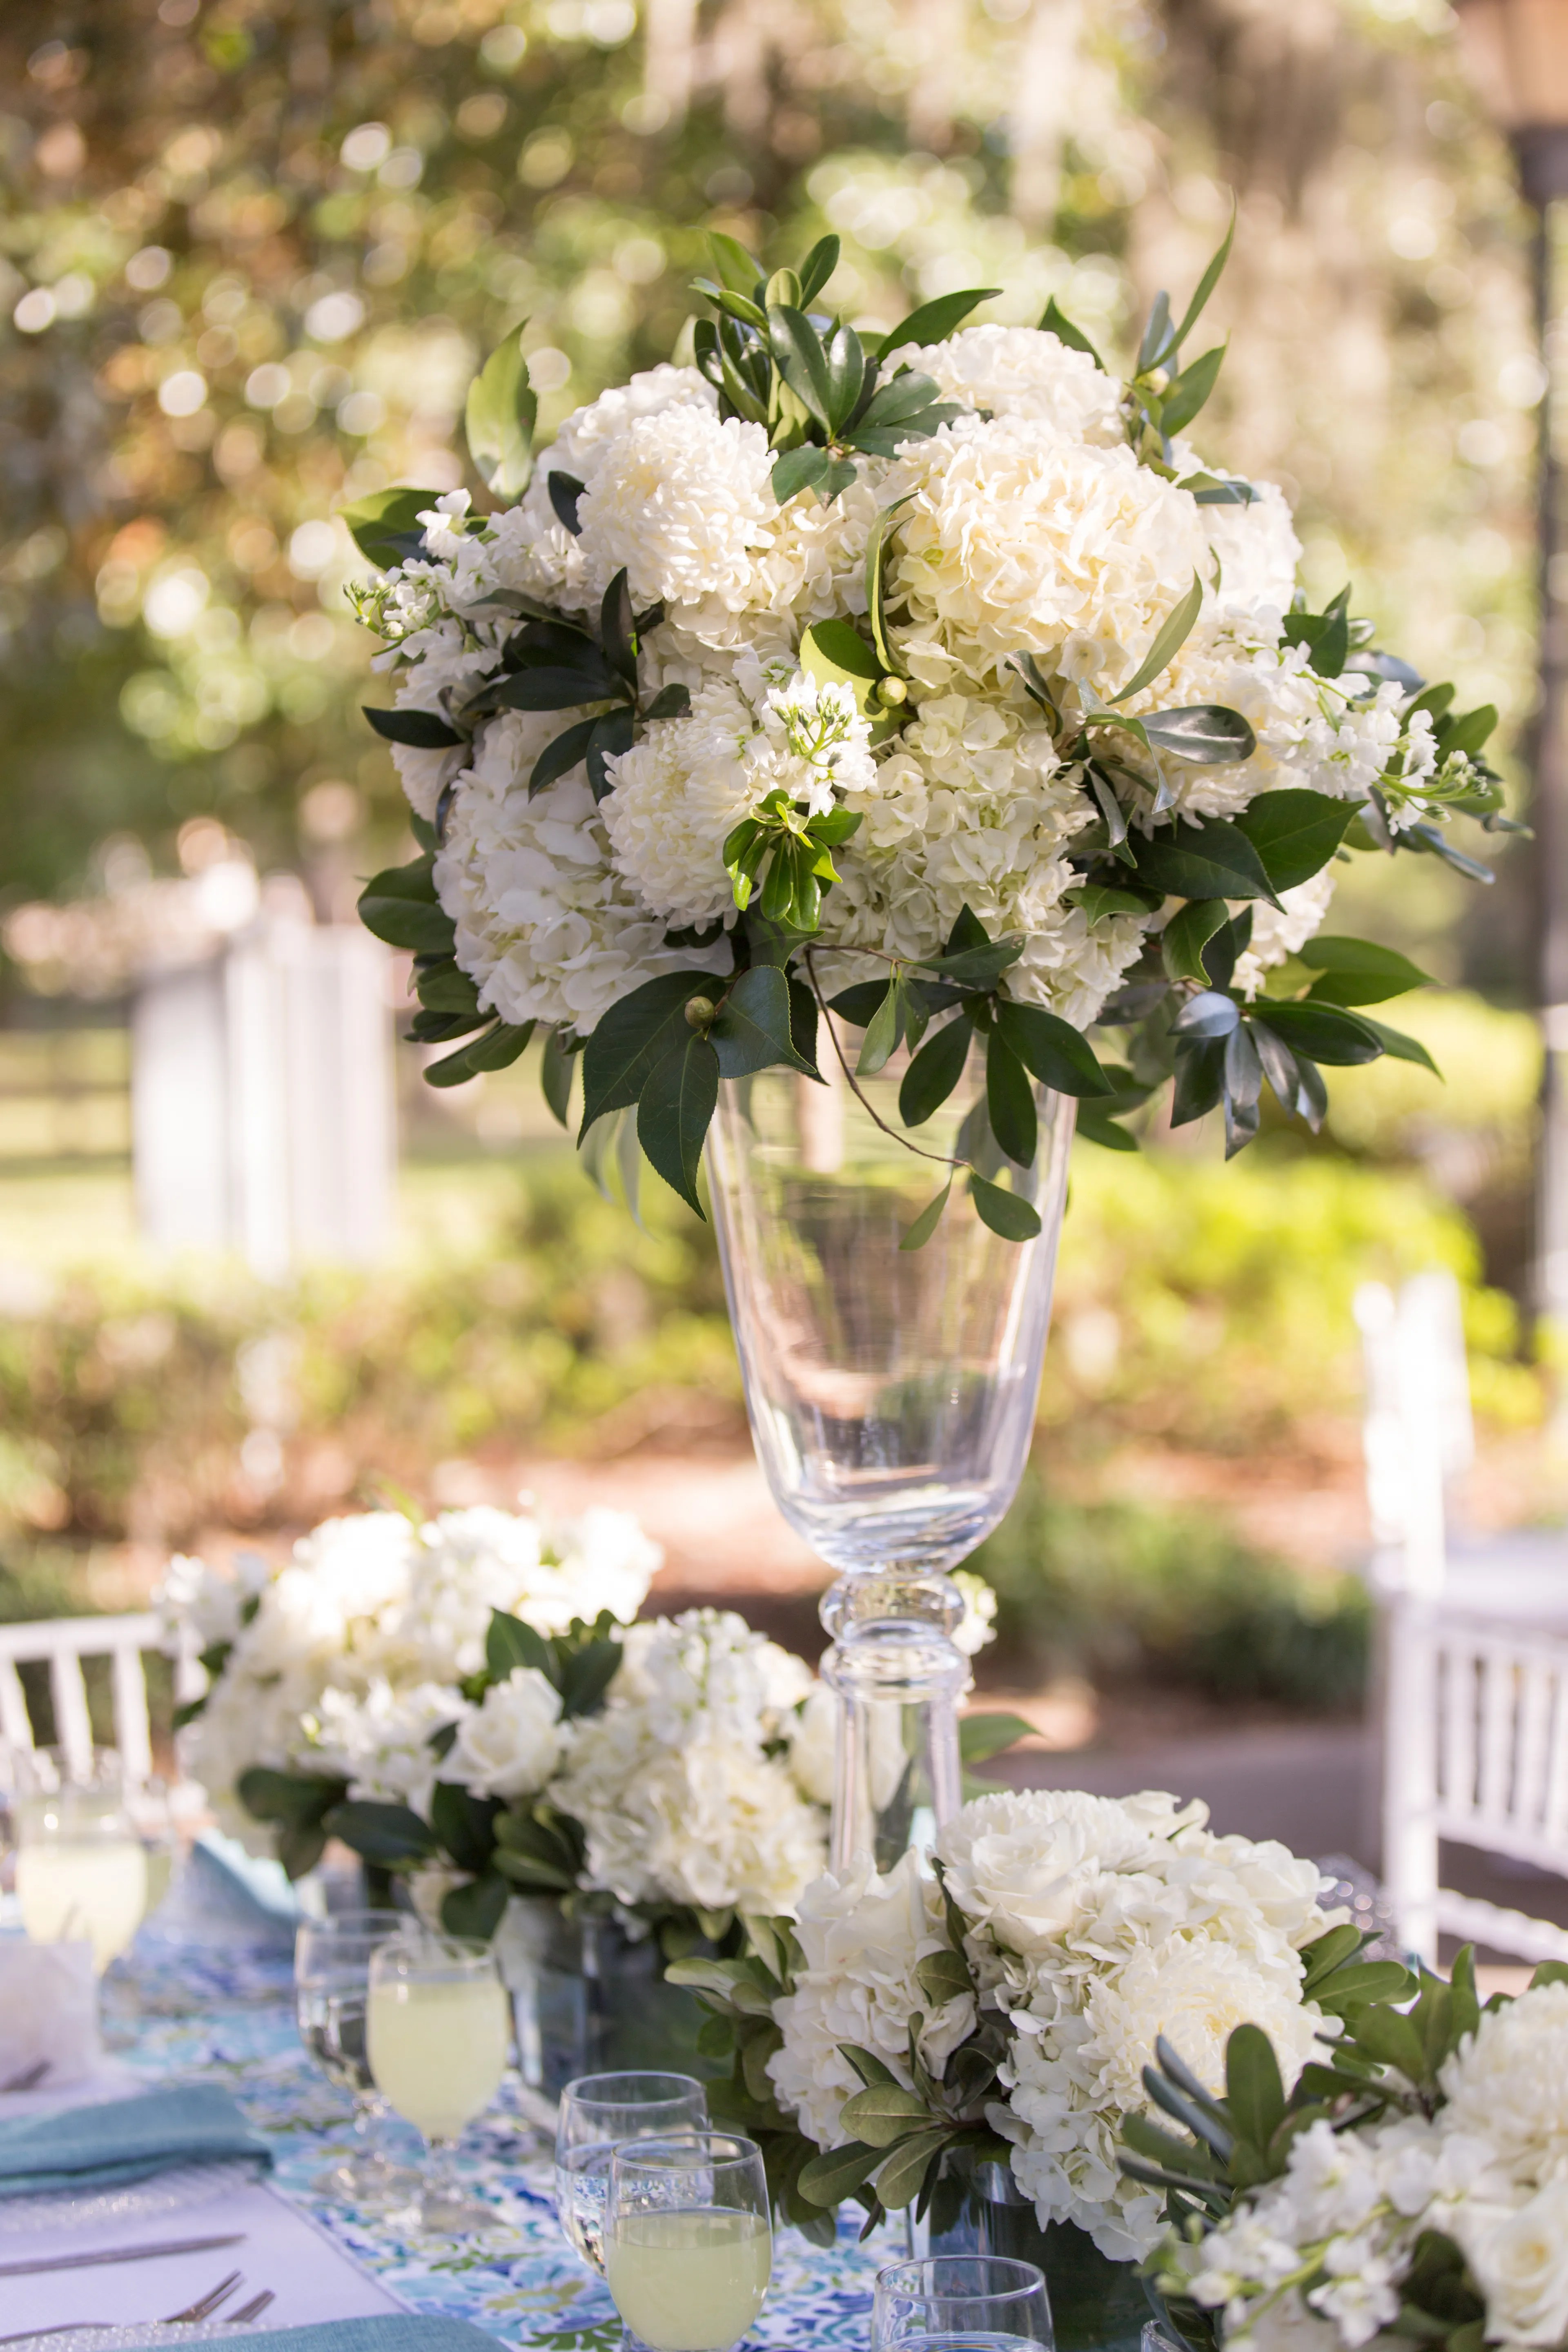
x=203, y=2308
x=253, y=2309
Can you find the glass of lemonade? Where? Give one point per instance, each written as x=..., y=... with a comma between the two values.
x=81, y=1868
x=596, y=2114
x=436, y=2034
x=687, y=2240
x=331, y=1995
x=962, y=2302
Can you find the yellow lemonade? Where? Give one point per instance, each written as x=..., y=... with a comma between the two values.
x=93, y=1887
x=691, y=2279
x=437, y=2049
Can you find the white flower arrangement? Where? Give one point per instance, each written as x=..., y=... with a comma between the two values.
x=879, y=651
x=1006, y=2007
x=1443, y=2212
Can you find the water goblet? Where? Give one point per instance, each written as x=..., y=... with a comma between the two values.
x=436, y=2034
x=596, y=2114
x=962, y=2302
x=687, y=2240
x=81, y=1869
x=331, y=1995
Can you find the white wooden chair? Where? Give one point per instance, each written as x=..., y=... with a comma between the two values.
x=62, y=1643
x=1475, y=1649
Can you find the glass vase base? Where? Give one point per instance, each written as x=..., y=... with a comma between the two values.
x=369, y=2182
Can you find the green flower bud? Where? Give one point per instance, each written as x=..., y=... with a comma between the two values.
x=892, y=690
x=700, y=1012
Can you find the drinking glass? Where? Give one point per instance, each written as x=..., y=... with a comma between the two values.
x=81, y=1869
x=331, y=1995
x=596, y=2114
x=961, y=2302
x=892, y=1392
x=687, y=2240
x=437, y=2036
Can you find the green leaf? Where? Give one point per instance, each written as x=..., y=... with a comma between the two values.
x=1190, y=390
x=611, y=739
x=555, y=1076
x=899, y=2180
x=1391, y=2039
x=674, y=1109
x=1211, y=859
x=566, y=490
x=800, y=359
x=1359, y=971
x=1253, y=2092
x=424, y=730
x=1051, y=1049
x=510, y=1643
x=752, y=1030
x=737, y=268
x=1056, y=323
x=876, y=601
x=390, y=907
x=818, y=267
x=446, y=988
x=499, y=419
x=618, y=630
x=1400, y=1047
x=942, y=1977
x=884, y=1032
x=634, y=1035
x=1007, y=1214
x=1157, y=337
x=296, y=1799
x=932, y=323
x=464, y=1824
x=476, y=1910
x=834, y=652
x=846, y=377
x=386, y=1836
x=1174, y=635
x=586, y=1674
x=1100, y=901
x=932, y=1075
x=1010, y=1101
x=1295, y=833
x=494, y=1049
x=800, y=470
x=837, y=2174
x=1097, y=1126
x=1210, y=1013
x=1200, y=1081
x=1185, y=935
x=1205, y=287
x=979, y=1736
x=1206, y=732
x=670, y=702
x=1326, y=1032
x=558, y=758
x=882, y=2115
x=930, y=1217
x=379, y=524
x=1466, y=734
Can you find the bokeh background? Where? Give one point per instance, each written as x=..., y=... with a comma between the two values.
x=252, y=252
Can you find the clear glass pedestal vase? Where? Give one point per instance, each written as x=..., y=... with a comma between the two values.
x=1097, y=2306
x=892, y=1392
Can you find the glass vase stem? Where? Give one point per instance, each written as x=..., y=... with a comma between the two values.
x=899, y=1678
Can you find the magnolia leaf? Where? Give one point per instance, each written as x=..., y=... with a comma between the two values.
x=825, y=2180
x=752, y=1029
x=1358, y=972
x=1185, y=935
x=475, y=1910
x=633, y=1035
x=1097, y=1126
x=678, y=1100
x=818, y=267
x=1051, y=1049
x=941, y=1976
x=1211, y=859
x=1295, y=833
x=737, y=268
x=494, y=1049
x=386, y=1836
x=1400, y=1047
x=882, y=2115
x=1327, y=1032
x=424, y=730
x=1206, y=732
x=498, y=418
x=898, y=2182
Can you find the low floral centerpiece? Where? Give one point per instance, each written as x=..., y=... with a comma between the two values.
x=927, y=674
x=971, y=2043
x=1409, y=2186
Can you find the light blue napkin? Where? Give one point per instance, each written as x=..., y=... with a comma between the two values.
x=390, y=2333
x=128, y=2139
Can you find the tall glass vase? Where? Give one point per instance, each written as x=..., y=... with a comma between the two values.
x=892, y=1395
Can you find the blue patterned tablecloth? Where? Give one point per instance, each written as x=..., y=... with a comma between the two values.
x=226, y=2017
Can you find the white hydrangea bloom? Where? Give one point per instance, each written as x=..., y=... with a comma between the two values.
x=509, y=1744
x=1505, y=2085
x=977, y=1626
x=379, y=1740
x=678, y=792
x=677, y=1800
x=683, y=506
x=1024, y=371
x=1015, y=539
x=535, y=550
x=1259, y=555
x=545, y=924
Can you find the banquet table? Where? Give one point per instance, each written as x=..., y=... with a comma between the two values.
x=223, y=2013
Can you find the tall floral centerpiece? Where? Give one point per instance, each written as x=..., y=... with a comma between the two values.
x=811, y=748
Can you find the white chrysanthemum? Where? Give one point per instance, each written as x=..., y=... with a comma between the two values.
x=1518, y=2258
x=532, y=548
x=677, y=1800
x=970, y=806
x=679, y=791
x=1015, y=539
x=510, y=1743
x=1258, y=553
x=862, y=1937
x=1024, y=371
x=1276, y=936
x=681, y=501
x=545, y=925
x=1507, y=2083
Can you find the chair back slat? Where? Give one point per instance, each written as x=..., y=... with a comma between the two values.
x=1498, y=1679
x=133, y=1730
x=15, y=1724
x=62, y=1644
x=73, y=1724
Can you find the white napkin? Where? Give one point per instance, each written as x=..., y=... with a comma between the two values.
x=48, y=2013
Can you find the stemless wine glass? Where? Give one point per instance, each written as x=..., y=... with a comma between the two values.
x=436, y=2034
x=332, y=1996
x=687, y=2240
x=596, y=2114
x=961, y=2302
x=81, y=1869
